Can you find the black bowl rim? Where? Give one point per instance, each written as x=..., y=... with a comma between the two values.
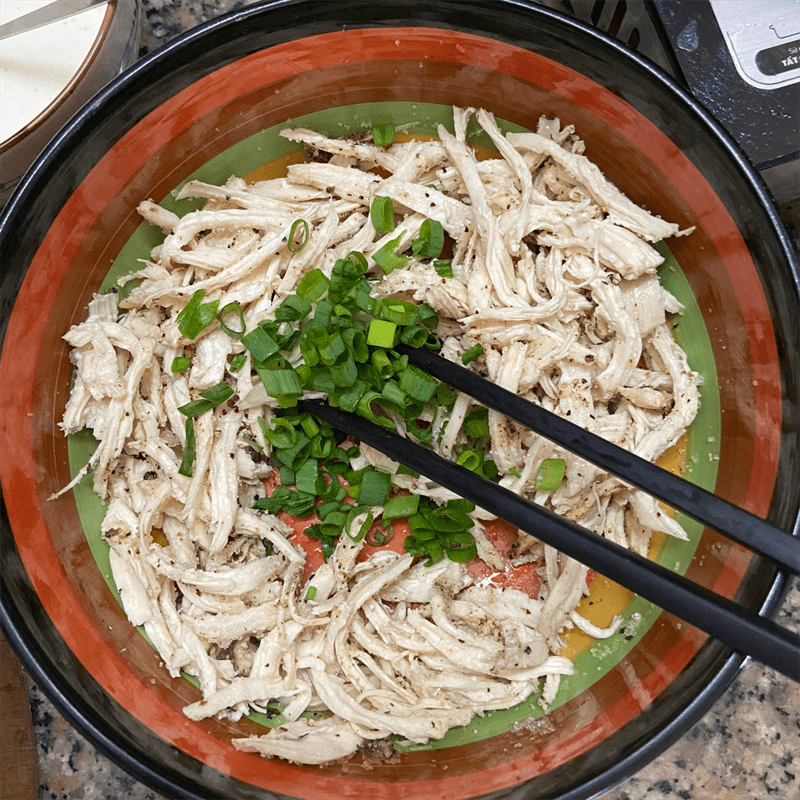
x=63, y=695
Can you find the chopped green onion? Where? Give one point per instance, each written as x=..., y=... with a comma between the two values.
x=443, y=267
x=476, y=423
x=402, y=506
x=321, y=380
x=344, y=372
x=515, y=473
x=427, y=316
x=331, y=347
x=387, y=259
x=417, y=547
x=298, y=504
x=306, y=476
x=430, y=241
x=382, y=363
x=357, y=261
x=382, y=333
x=348, y=399
x=187, y=460
x=236, y=309
x=404, y=470
x=445, y=396
x=237, y=362
x=292, y=309
x=354, y=513
x=474, y=352
x=209, y=398
x=280, y=382
x=260, y=344
x=460, y=547
x=393, y=396
x=356, y=341
x=461, y=504
x=471, y=459
x=309, y=426
x=374, y=490
x=383, y=134
x=550, y=474
x=181, y=363
x=381, y=213
x=489, y=470
x=217, y=394
x=311, y=593
x=313, y=285
x=328, y=508
x=333, y=524
x=196, y=316
x=380, y=537
x=251, y=443
x=290, y=245
x=401, y=312
x=418, y=384
x=414, y=336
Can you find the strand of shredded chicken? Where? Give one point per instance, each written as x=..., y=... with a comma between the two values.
x=553, y=275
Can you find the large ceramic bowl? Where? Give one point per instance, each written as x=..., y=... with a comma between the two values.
x=210, y=104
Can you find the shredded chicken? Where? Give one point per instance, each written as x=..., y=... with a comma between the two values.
x=553, y=275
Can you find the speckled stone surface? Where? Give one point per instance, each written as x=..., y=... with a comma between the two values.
x=746, y=748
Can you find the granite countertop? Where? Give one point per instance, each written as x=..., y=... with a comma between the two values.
x=747, y=746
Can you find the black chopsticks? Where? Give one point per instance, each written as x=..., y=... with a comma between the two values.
x=705, y=507
x=738, y=627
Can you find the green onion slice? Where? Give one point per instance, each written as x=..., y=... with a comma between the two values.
x=280, y=382
x=374, y=490
x=380, y=537
x=355, y=512
x=180, y=364
x=383, y=134
x=550, y=474
x=234, y=309
x=443, y=267
x=476, y=423
x=196, y=316
x=474, y=352
x=217, y=394
x=237, y=362
x=401, y=506
x=418, y=384
x=296, y=247
x=293, y=308
x=188, y=450
x=260, y=344
x=401, y=312
x=313, y=285
x=430, y=241
x=209, y=398
x=387, y=259
x=381, y=213
x=382, y=333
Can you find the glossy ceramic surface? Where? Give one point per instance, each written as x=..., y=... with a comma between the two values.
x=196, y=102
x=115, y=48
